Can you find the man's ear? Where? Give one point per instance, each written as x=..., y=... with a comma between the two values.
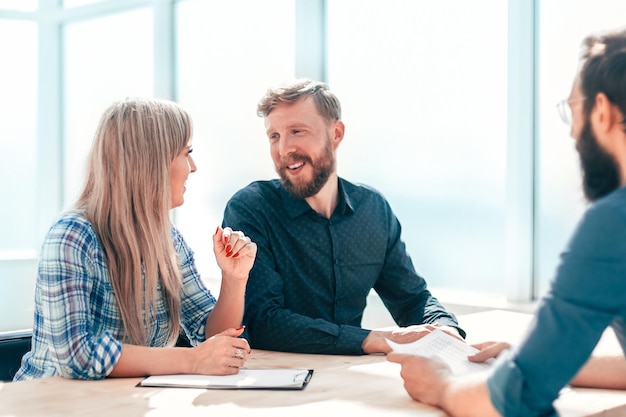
x=338, y=132
x=607, y=115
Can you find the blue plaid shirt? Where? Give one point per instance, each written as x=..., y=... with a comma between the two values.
x=78, y=326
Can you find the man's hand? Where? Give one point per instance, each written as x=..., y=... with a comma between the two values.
x=424, y=379
x=430, y=381
x=376, y=342
x=452, y=331
x=488, y=350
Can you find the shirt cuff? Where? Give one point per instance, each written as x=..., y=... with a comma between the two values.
x=350, y=340
x=444, y=321
x=106, y=355
x=506, y=389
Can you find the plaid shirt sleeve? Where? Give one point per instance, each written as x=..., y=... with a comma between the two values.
x=68, y=312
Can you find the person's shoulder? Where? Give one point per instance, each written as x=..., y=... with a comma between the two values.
x=359, y=191
x=611, y=208
x=72, y=228
x=180, y=244
x=614, y=201
x=177, y=236
x=256, y=190
x=603, y=226
x=72, y=220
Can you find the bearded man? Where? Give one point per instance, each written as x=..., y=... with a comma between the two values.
x=588, y=292
x=323, y=242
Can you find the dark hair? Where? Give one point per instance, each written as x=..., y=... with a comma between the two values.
x=604, y=69
x=327, y=103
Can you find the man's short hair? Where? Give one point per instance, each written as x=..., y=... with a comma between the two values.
x=327, y=103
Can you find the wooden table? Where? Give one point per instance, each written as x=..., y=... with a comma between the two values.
x=355, y=386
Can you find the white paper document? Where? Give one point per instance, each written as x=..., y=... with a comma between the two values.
x=450, y=349
x=245, y=379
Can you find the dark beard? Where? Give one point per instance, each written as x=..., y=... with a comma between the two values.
x=321, y=172
x=599, y=169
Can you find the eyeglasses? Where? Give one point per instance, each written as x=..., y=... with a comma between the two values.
x=565, y=111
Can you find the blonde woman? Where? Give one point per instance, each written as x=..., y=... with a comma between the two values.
x=116, y=282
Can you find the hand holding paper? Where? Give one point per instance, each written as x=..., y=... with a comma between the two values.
x=452, y=351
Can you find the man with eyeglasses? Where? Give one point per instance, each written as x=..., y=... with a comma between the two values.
x=588, y=293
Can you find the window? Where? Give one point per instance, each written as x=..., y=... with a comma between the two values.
x=224, y=67
x=76, y=3
x=424, y=90
x=423, y=86
x=560, y=201
x=19, y=5
x=20, y=236
x=106, y=59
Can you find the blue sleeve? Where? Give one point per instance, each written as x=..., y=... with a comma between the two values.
x=585, y=297
x=64, y=287
x=269, y=324
x=403, y=291
x=196, y=300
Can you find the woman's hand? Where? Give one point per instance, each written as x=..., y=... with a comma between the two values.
x=222, y=354
x=234, y=252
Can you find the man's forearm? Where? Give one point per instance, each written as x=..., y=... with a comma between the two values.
x=468, y=397
x=602, y=372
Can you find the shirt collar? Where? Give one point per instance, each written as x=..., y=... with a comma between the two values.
x=297, y=206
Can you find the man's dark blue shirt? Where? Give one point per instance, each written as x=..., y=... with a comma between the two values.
x=308, y=287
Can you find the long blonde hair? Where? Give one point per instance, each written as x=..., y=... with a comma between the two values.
x=127, y=199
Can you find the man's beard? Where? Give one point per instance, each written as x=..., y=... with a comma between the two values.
x=322, y=170
x=600, y=173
